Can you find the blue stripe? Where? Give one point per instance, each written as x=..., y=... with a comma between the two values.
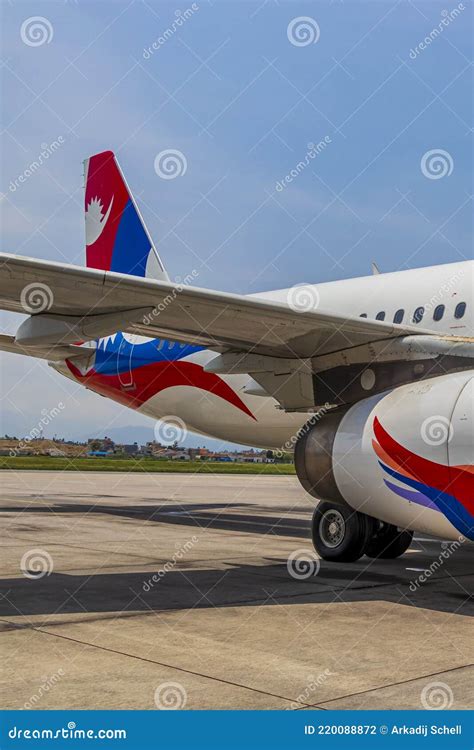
x=132, y=246
x=120, y=355
x=454, y=510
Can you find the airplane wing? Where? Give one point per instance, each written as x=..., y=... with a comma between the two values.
x=216, y=320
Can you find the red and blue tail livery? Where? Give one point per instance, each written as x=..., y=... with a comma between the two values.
x=447, y=489
x=116, y=236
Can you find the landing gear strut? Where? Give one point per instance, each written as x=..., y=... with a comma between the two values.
x=341, y=534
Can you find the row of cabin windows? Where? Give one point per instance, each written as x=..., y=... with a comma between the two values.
x=438, y=313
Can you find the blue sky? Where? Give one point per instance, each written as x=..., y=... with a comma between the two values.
x=231, y=92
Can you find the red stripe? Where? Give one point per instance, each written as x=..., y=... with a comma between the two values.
x=105, y=182
x=452, y=480
x=154, y=378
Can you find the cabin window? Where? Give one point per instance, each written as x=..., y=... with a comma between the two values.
x=398, y=317
x=161, y=343
x=363, y=315
x=460, y=310
x=380, y=315
x=418, y=314
x=438, y=312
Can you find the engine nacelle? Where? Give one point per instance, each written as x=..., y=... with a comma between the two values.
x=405, y=457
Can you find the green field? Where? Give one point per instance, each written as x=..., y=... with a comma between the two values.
x=49, y=463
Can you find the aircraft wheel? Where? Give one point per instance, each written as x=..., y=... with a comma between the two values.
x=389, y=542
x=339, y=533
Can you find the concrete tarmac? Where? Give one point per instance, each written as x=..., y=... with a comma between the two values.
x=173, y=590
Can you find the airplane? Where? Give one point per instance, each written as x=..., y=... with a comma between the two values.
x=369, y=380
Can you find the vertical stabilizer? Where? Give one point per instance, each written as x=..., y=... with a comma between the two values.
x=116, y=236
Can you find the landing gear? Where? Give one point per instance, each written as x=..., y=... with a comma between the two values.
x=388, y=542
x=341, y=534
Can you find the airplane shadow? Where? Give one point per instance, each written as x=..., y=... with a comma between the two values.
x=189, y=584
x=203, y=515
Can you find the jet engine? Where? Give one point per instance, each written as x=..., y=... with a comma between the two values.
x=403, y=458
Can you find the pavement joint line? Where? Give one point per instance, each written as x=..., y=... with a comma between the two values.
x=165, y=665
x=391, y=684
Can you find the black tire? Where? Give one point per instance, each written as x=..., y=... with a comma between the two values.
x=350, y=534
x=389, y=542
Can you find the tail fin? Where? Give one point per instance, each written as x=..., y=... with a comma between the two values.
x=116, y=236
